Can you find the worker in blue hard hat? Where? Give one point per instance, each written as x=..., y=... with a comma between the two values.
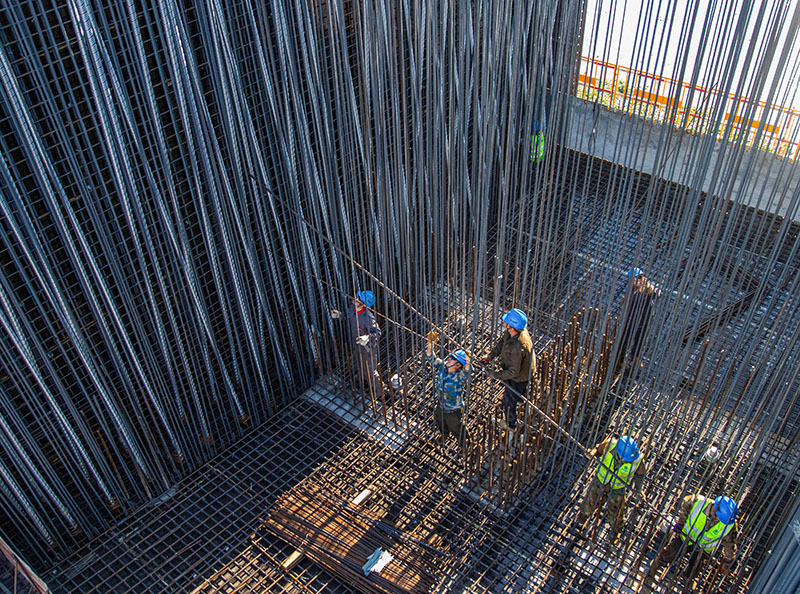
x=364, y=334
x=452, y=374
x=637, y=311
x=621, y=468
x=517, y=362
x=707, y=529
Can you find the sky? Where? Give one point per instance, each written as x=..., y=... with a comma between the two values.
x=722, y=44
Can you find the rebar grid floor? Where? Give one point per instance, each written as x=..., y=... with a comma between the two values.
x=209, y=534
x=180, y=540
x=544, y=549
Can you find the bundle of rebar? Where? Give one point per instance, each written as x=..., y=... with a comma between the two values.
x=342, y=539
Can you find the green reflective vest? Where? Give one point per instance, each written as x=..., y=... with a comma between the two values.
x=618, y=478
x=537, y=146
x=696, y=522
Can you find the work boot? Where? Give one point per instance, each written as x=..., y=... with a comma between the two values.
x=692, y=572
x=653, y=569
x=582, y=519
x=613, y=537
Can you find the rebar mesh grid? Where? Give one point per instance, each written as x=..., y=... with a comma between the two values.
x=188, y=188
x=209, y=535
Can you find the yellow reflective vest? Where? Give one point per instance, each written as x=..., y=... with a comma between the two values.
x=694, y=528
x=617, y=477
x=537, y=146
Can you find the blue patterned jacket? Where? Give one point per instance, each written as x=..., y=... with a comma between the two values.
x=449, y=386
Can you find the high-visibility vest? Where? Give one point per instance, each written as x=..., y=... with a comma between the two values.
x=618, y=478
x=696, y=522
x=537, y=146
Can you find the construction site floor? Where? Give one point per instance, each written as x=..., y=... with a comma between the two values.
x=210, y=533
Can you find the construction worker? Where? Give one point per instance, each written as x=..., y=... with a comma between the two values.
x=637, y=313
x=451, y=379
x=707, y=526
x=537, y=142
x=620, y=467
x=364, y=334
x=517, y=362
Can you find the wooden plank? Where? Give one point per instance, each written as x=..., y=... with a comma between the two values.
x=362, y=497
x=292, y=560
x=21, y=567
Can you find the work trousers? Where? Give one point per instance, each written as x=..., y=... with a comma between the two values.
x=449, y=421
x=511, y=397
x=597, y=493
x=366, y=370
x=696, y=561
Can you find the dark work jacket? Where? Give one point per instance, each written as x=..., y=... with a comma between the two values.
x=517, y=361
x=361, y=324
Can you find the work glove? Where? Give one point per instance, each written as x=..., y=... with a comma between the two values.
x=335, y=313
x=484, y=360
x=363, y=340
x=677, y=527
x=432, y=337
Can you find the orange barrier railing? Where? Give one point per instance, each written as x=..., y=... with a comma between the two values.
x=660, y=98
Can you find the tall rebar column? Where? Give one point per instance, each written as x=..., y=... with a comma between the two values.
x=188, y=188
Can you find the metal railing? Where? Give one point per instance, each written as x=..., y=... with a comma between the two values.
x=769, y=127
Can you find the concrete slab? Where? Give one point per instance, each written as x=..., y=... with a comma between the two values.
x=337, y=403
x=751, y=177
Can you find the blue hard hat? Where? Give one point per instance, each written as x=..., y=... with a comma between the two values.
x=366, y=297
x=516, y=319
x=634, y=272
x=627, y=448
x=459, y=356
x=726, y=509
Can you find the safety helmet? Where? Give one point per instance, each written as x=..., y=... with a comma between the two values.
x=627, y=448
x=516, y=319
x=459, y=356
x=366, y=297
x=634, y=272
x=726, y=509
x=712, y=455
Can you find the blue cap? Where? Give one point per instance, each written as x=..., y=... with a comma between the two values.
x=627, y=448
x=366, y=297
x=726, y=509
x=634, y=272
x=459, y=356
x=516, y=319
